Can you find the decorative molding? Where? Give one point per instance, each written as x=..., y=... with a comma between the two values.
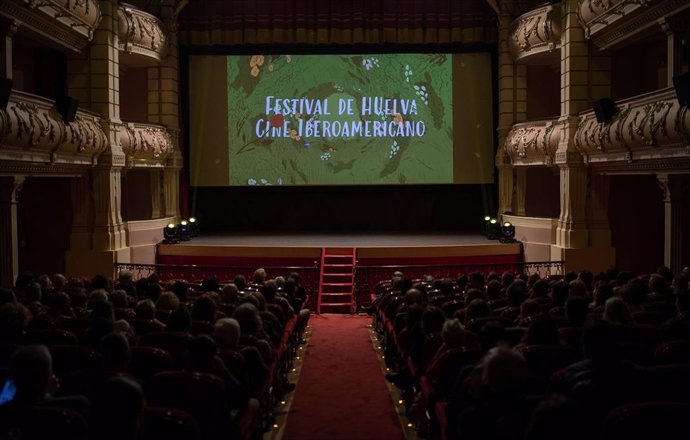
x=145, y=144
x=650, y=126
x=70, y=23
x=140, y=32
x=536, y=32
x=533, y=143
x=31, y=130
x=610, y=22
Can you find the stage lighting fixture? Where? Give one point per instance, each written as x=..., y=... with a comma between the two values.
x=493, y=229
x=183, y=231
x=485, y=224
x=170, y=234
x=507, y=233
x=193, y=227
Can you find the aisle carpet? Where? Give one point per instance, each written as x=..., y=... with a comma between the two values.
x=341, y=392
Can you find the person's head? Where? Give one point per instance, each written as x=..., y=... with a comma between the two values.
x=559, y=293
x=540, y=289
x=413, y=296
x=248, y=318
x=118, y=410
x=179, y=320
x=230, y=293
x=617, y=312
x=7, y=297
x=507, y=279
x=167, y=301
x=529, y=308
x=576, y=309
x=493, y=289
x=45, y=282
x=602, y=292
x=453, y=333
x=269, y=292
x=601, y=341
x=99, y=282
x=569, y=276
x=104, y=310
x=446, y=287
x=31, y=369
x=622, y=278
x=260, y=276
x=683, y=300
x=476, y=280
x=125, y=275
x=414, y=315
x=210, y=284
x=657, y=283
x=587, y=278
x=115, y=351
x=226, y=332
x=492, y=334
x=666, y=273
x=634, y=293
x=542, y=330
x=33, y=292
x=202, y=349
x=504, y=374
x=180, y=289
x=472, y=294
x=58, y=303
x=118, y=298
x=577, y=288
x=516, y=293
x=145, y=309
x=432, y=320
x=204, y=309
x=59, y=281
x=153, y=291
x=240, y=281
x=477, y=308
x=96, y=296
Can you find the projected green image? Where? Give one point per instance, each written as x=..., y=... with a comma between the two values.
x=340, y=119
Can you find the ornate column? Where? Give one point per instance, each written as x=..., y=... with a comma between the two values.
x=164, y=106
x=98, y=236
x=597, y=210
x=9, y=245
x=512, y=105
x=8, y=28
x=673, y=187
x=676, y=34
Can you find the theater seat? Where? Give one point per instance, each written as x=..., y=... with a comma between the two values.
x=670, y=382
x=175, y=343
x=53, y=423
x=651, y=420
x=52, y=337
x=170, y=424
x=543, y=361
x=85, y=382
x=6, y=351
x=200, y=394
x=147, y=361
x=69, y=358
x=673, y=352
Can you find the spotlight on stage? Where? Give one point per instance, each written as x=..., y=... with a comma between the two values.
x=485, y=224
x=193, y=227
x=507, y=233
x=170, y=234
x=183, y=231
x=493, y=229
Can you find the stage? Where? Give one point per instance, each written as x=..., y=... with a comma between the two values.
x=305, y=248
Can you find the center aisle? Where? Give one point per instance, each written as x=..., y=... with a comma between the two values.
x=341, y=392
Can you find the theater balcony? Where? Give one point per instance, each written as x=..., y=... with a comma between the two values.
x=34, y=137
x=69, y=23
x=611, y=23
x=536, y=36
x=145, y=145
x=142, y=39
x=647, y=132
x=533, y=142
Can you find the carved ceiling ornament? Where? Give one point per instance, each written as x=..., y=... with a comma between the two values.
x=537, y=31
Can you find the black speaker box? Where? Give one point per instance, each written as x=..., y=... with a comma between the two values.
x=5, y=90
x=682, y=86
x=67, y=107
x=604, y=109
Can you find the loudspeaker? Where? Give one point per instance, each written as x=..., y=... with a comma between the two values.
x=67, y=107
x=604, y=109
x=5, y=90
x=682, y=86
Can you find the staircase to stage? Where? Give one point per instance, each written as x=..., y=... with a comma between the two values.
x=337, y=280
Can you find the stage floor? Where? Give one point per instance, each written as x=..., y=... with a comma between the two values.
x=345, y=239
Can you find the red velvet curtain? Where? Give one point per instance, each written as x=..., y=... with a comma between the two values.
x=231, y=22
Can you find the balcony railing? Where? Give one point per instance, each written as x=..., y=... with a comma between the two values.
x=612, y=22
x=70, y=23
x=537, y=32
x=31, y=130
x=533, y=143
x=140, y=32
x=649, y=126
x=145, y=144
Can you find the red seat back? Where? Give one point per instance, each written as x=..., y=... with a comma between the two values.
x=69, y=358
x=170, y=424
x=144, y=362
x=651, y=420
